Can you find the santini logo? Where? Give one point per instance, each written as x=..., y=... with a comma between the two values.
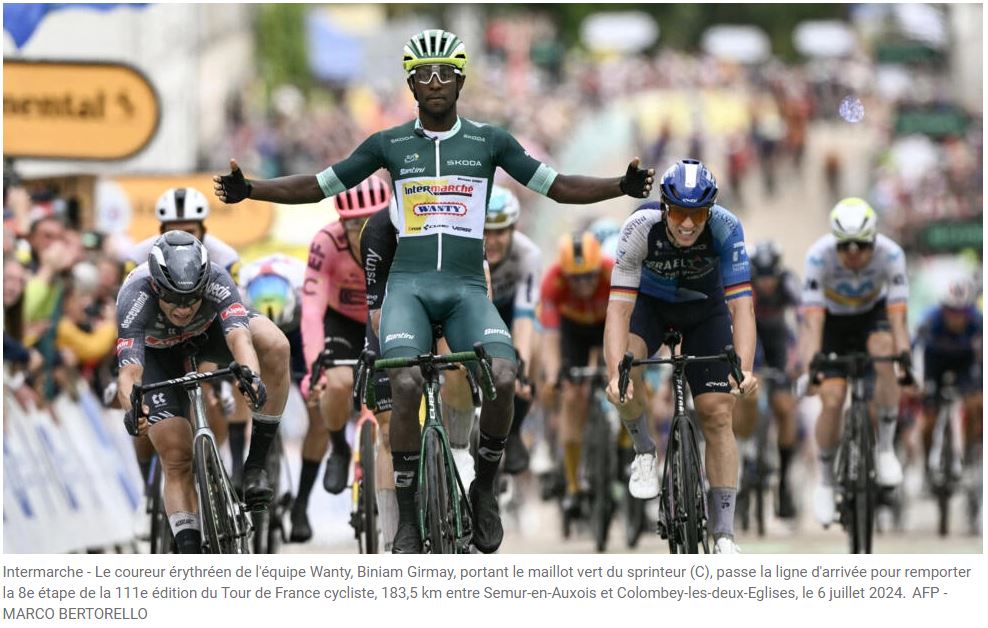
x=402, y=335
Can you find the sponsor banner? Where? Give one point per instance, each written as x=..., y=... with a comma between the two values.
x=455, y=205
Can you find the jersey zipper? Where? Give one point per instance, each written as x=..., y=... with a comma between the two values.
x=439, y=255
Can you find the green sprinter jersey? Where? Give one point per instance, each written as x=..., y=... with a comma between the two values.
x=442, y=182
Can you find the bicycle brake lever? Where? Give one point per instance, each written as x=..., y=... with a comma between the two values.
x=735, y=362
x=485, y=366
x=137, y=400
x=624, y=374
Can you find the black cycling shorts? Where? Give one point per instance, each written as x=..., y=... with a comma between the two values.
x=169, y=363
x=577, y=341
x=843, y=334
x=706, y=330
x=345, y=335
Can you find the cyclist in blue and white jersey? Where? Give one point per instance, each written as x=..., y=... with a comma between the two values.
x=951, y=338
x=855, y=291
x=682, y=263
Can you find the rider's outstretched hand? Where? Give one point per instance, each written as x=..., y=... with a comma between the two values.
x=233, y=187
x=637, y=182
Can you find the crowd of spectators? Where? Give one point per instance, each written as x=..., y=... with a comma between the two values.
x=59, y=294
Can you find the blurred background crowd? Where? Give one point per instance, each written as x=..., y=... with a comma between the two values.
x=792, y=107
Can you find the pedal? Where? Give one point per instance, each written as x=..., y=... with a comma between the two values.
x=660, y=528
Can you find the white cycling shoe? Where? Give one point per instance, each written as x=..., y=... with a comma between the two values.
x=823, y=504
x=888, y=470
x=726, y=545
x=644, y=480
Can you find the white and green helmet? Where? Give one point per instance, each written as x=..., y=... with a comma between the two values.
x=854, y=219
x=502, y=210
x=434, y=46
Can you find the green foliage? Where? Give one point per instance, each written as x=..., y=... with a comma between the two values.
x=281, y=48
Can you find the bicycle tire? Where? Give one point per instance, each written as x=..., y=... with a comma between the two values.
x=862, y=506
x=367, y=498
x=440, y=524
x=945, y=490
x=599, y=459
x=693, y=504
x=634, y=520
x=162, y=541
x=219, y=507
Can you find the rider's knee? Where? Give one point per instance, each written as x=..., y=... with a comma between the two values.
x=881, y=343
x=404, y=383
x=505, y=373
x=338, y=385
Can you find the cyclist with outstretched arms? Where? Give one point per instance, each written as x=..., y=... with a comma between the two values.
x=776, y=294
x=516, y=274
x=855, y=293
x=334, y=315
x=572, y=313
x=682, y=263
x=442, y=167
x=177, y=296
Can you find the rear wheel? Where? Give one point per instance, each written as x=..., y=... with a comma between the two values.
x=692, y=485
x=223, y=521
x=440, y=524
x=367, y=497
x=945, y=487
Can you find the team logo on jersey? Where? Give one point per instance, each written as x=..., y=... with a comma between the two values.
x=440, y=209
x=124, y=343
x=218, y=291
x=411, y=158
x=405, y=171
x=463, y=162
x=236, y=309
x=134, y=310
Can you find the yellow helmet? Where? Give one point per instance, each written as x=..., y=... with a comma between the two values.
x=435, y=46
x=854, y=219
x=580, y=253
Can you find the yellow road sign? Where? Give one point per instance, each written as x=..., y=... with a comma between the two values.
x=70, y=110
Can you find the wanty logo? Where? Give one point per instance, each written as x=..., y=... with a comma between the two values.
x=410, y=158
x=440, y=209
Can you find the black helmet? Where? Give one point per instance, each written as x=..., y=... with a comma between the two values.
x=765, y=258
x=179, y=266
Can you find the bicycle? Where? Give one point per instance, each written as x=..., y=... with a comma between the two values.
x=682, y=492
x=854, y=462
x=943, y=462
x=226, y=526
x=363, y=496
x=444, y=515
x=269, y=527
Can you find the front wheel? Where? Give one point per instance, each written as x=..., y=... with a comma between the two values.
x=367, y=495
x=440, y=532
x=862, y=486
x=600, y=458
x=224, y=525
x=162, y=541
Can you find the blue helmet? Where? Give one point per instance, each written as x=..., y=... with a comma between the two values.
x=688, y=183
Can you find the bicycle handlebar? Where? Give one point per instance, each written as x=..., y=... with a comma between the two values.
x=242, y=373
x=628, y=362
x=369, y=362
x=855, y=363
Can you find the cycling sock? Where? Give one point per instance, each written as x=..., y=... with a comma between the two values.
x=521, y=411
x=338, y=438
x=785, y=457
x=571, y=467
x=406, y=465
x=387, y=508
x=826, y=461
x=183, y=521
x=489, y=452
x=638, y=428
x=721, y=501
x=238, y=436
x=310, y=468
x=265, y=429
x=189, y=541
x=887, y=420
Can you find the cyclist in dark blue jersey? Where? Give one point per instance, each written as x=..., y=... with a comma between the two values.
x=682, y=264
